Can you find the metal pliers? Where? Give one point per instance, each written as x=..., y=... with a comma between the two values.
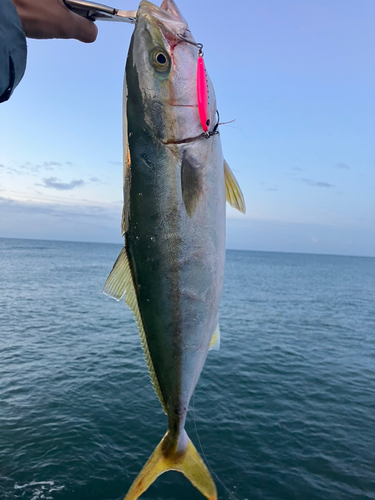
x=96, y=11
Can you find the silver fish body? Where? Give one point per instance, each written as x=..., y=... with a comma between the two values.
x=172, y=263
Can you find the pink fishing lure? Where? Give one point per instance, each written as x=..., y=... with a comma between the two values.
x=202, y=94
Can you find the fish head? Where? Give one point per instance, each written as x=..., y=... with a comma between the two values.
x=161, y=74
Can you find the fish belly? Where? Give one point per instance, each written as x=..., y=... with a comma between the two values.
x=177, y=261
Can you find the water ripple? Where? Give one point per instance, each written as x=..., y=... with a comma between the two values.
x=285, y=410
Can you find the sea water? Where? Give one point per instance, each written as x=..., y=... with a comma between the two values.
x=285, y=410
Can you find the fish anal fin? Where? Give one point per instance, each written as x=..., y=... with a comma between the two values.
x=233, y=191
x=215, y=339
x=189, y=463
x=191, y=183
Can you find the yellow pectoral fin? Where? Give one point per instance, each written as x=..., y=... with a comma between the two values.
x=215, y=340
x=233, y=191
x=189, y=463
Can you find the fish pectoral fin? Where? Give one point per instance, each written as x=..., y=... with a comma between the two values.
x=191, y=183
x=118, y=280
x=189, y=463
x=233, y=191
x=215, y=339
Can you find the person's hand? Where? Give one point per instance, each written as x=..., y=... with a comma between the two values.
x=52, y=19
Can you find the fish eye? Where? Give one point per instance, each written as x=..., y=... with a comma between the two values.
x=160, y=60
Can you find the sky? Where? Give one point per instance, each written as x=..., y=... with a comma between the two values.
x=298, y=78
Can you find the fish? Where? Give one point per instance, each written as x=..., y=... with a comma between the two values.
x=176, y=183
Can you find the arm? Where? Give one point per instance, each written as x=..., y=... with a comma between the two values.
x=34, y=19
x=12, y=49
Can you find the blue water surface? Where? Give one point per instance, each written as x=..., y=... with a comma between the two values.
x=285, y=410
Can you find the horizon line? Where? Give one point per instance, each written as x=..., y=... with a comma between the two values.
x=230, y=249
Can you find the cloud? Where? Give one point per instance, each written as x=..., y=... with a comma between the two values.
x=272, y=189
x=61, y=210
x=94, y=179
x=101, y=222
x=47, y=165
x=115, y=162
x=297, y=169
x=54, y=183
x=51, y=164
x=310, y=182
x=343, y=166
x=66, y=221
x=15, y=170
x=323, y=184
x=32, y=168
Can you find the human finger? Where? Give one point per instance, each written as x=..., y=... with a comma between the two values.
x=81, y=28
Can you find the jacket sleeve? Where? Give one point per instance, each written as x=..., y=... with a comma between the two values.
x=12, y=49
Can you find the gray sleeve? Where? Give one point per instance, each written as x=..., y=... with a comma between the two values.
x=12, y=49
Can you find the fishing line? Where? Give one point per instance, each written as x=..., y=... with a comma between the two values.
x=226, y=123
x=231, y=495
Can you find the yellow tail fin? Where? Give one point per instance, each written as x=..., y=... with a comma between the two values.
x=189, y=463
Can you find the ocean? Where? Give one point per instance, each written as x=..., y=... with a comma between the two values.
x=285, y=410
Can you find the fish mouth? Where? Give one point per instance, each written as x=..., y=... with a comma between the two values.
x=187, y=140
x=172, y=9
x=167, y=17
x=183, y=105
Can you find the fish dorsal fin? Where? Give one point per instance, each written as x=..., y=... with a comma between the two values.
x=215, y=339
x=233, y=191
x=191, y=183
x=118, y=282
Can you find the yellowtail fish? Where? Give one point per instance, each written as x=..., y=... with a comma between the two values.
x=172, y=263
